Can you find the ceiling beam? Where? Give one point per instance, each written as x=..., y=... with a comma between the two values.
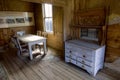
x=61, y=3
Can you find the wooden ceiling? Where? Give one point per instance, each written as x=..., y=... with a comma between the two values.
x=54, y=2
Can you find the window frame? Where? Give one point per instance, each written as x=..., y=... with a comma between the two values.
x=87, y=34
x=45, y=17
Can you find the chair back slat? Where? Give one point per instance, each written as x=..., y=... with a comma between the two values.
x=18, y=44
x=39, y=33
x=14, y=41
x=44, y=34
x=20, y=33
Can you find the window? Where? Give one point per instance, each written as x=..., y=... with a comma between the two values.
x=90, y=34
x=47, y=17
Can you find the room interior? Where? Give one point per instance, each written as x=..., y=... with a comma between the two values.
x=70, y=19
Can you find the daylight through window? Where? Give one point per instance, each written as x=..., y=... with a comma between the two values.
x=47, y=16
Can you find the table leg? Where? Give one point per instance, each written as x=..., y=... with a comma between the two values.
x=30, y=51
x=44, y=47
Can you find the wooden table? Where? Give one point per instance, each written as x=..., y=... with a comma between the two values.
x=32, y=40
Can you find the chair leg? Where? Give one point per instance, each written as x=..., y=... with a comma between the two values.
x=18, y=52
x=46, y=48
x=40, y=49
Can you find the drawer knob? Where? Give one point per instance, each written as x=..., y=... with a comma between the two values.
x=83, y=61
x=84, y=56
x=82, y=66
x=70, y=51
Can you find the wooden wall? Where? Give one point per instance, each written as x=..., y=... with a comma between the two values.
x=38, y=17
x=68, y=17
x=113, y=32
x=54, y=2
x=14, y=5
x=78, y=5
x=113, y=42
x=112, y=21
x=54, y=39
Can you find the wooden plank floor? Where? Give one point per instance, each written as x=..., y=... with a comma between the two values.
x=49, y=67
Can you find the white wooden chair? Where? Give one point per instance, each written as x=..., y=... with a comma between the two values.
x=39, y=33
x=43, y=34
x=21, y=47
x=20, y=33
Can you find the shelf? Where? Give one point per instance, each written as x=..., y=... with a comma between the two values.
x=86, y=26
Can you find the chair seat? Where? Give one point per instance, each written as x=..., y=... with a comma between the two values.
x=24, y=50
x=40, y=44
x=24, y=46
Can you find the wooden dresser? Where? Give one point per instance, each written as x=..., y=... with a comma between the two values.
x=88, y=56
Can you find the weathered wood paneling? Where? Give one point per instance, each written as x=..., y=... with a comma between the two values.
x=6, y=33
x=95, y=3
x=38, y=16
x=113, y=32
x=14, y=5
x=87, y=4
x=68, y=18
x=113, y=39
x=113, y=42
x=55, y=40
x=54, y=2
x=78, y=5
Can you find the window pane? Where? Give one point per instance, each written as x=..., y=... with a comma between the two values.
x=84, y=32
x=92, y=33
x=48, y=10
x=48, y=24
x=89, y=34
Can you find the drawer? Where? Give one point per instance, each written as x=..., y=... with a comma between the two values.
x=67, y=54
x=72, y=56
x=72, y=52
x=68, y=46
x=69, y=50
x=88, y=52
x=87, y=68
x=83, y=61
x=87, y=56
x=83, y=55
x=67, y=59
x=73, y=61
x=72, y=47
